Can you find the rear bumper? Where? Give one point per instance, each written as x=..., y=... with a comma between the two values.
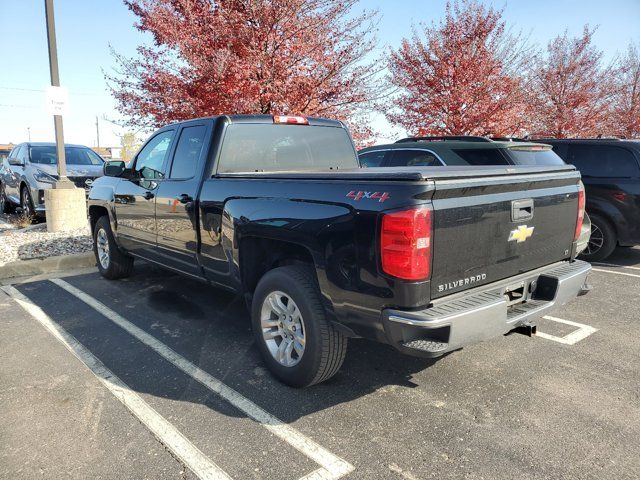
x=485, y=312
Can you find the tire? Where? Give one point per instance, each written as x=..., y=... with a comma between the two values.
x=5, y=204
x=602, y=242
x=324, y=347
x=26, y=203
x=112, y=262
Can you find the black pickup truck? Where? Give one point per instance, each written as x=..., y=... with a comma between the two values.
x=427, y=259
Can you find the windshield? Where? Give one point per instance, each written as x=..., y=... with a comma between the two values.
x=534, y=156
x=46, y=155
x=273, y=148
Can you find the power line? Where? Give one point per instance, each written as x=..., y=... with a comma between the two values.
x=43, y=91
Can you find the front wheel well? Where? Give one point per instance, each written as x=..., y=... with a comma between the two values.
x=95, y=212
x=259, y=255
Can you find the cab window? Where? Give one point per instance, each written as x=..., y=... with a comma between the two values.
x=188, y=152
x=150, y=160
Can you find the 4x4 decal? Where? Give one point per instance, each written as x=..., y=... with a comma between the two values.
x=380, y=196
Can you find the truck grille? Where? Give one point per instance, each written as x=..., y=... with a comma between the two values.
x=81, y=182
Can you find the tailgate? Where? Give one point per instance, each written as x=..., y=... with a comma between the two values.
x=490, y=228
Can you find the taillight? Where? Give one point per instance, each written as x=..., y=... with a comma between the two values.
x=405, y=243
x=581, y=205
x=290, y=119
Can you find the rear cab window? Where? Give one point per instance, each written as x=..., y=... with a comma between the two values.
x=280, y=148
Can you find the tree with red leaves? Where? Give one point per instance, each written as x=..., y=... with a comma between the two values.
x=248, y=56
x=572, y=89
x=460, y=77
x=626, y=102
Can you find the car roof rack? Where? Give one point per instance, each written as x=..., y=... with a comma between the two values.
x=445, y=138
x=510, y=139
x=590, y=139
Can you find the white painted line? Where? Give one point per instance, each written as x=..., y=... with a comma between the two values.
x=616, y=273
x=582, y=332
x=332, y=466
x=615, y=265
x=164, y=431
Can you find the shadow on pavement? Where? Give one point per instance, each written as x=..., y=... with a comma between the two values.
x=211, y=328
x=626, y=256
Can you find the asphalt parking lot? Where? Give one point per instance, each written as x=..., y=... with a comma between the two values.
x=156, y=377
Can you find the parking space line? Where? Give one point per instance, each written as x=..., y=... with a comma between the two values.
x=164, y=431
x=616, y=273
x=601, y=264
x=332, y=466
x=582, y=332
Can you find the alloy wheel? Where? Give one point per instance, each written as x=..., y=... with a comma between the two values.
x=102, y=247
x=283, y=328
x=26, y=203
x=596, y=240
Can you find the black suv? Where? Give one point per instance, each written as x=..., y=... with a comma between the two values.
x=610, y=171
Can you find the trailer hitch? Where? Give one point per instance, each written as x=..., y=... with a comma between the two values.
x=529, y=329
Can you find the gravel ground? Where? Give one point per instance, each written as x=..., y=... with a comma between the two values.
x=35, y=242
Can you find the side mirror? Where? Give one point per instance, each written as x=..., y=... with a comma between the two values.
x=16, y=163
x=114, y=168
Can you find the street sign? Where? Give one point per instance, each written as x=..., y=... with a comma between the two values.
x=57, y=101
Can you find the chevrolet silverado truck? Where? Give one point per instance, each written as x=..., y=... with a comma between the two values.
x=277, y=210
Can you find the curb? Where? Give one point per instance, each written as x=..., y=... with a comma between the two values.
x=38, y=266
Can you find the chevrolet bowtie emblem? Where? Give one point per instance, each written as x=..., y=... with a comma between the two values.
x=521, y=233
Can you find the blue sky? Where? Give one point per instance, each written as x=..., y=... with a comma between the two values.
x=85, y=29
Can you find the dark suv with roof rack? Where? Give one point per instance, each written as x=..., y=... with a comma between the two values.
x=461, y=150
x=610, y=171
x=457, y=150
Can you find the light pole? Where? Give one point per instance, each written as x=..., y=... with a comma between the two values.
x=65, y=205
x=63, y=181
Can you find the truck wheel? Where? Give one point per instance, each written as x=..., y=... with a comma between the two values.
x=112, y=263
x=602, y=242
x=297, y=342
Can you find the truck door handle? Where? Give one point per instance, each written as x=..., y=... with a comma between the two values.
x=148, y=195
x=184, y=198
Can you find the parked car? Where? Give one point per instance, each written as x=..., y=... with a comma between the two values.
x=465, y=150
x=277, y=210
x=31, y=168
x=610, y=171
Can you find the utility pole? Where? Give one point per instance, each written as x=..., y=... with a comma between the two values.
x=29, y=133
x=97, y=133
x=63, y=181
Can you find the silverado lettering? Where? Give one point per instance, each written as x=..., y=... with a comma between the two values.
x=462, y=282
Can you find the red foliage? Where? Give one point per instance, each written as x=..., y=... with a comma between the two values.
x=460, y=77
x=572, y=89
x=626, y=102
x=248, y=56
